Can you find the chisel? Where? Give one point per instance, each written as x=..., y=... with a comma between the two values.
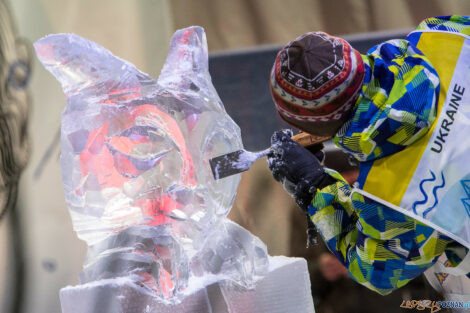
x=241, y=160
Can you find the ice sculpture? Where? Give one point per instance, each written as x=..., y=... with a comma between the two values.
x=136, y=176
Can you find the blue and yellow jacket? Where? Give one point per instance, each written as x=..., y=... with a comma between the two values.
x=382, y=248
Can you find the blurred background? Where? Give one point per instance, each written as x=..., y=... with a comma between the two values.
x=39, y=252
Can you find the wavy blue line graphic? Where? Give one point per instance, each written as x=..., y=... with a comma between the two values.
x=466, y=201
x=434, y=193
x=433, y=178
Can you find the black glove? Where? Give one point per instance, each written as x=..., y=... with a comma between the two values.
x=296, y=168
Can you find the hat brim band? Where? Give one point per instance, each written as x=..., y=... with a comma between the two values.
x=334, y=116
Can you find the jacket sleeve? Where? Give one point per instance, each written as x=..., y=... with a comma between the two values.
x=450, y=23
x=397, y=103
x=381, y=248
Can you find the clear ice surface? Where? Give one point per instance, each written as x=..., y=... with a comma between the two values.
x=135, y=169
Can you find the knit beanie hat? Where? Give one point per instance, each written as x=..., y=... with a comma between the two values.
x=315, y=81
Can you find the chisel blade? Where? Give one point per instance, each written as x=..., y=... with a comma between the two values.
x=234, y=162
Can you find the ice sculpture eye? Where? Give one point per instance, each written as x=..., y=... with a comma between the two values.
x=135, y=153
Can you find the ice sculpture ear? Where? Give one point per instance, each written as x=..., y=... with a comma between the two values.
x=187, y=65
x=187, y=55
x=80, y=64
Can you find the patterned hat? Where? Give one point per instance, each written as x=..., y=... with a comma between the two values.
x=315, y=82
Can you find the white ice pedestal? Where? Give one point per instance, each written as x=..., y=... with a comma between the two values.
x=285, y=289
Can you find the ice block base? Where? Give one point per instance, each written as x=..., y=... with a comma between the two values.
x=286, y=288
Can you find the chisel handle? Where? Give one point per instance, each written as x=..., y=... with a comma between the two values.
x=307, y=140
